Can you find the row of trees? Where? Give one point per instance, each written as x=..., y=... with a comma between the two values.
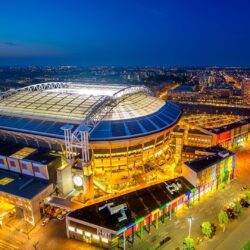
x=208, y=229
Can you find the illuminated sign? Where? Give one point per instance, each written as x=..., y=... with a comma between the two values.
x=78, y=182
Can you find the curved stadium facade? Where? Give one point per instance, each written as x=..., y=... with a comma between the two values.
x=128, y=129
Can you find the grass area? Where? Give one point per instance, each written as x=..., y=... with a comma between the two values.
x=246, y=246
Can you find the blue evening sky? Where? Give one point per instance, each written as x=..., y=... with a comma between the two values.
x=125, y=32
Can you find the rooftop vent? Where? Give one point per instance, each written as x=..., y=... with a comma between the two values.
x=174, y=187
x=116, y=209
x=223, y=153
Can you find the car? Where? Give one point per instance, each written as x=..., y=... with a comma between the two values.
x=45, y=221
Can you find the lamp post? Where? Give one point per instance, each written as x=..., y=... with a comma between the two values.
x=190, y=225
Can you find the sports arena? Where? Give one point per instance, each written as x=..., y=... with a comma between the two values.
x=121, y=134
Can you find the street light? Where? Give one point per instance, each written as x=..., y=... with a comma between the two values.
x=190, y=225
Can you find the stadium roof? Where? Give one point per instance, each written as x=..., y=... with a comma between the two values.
x=44, y=108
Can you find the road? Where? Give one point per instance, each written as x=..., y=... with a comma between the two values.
x=53, y=237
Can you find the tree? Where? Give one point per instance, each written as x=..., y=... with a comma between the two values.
x=206, y=229
x=237, y=208
x=223, y=218
x=247, y=196
x=188, y=244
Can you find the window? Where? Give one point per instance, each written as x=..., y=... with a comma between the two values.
x=12, y=163
x=36, y=169
x=72, y=229
x=24, y=166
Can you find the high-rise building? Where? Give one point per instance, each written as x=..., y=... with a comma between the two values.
x=245, y=88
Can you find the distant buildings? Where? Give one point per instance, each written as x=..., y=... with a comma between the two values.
x=228, y=135
x=245, y=89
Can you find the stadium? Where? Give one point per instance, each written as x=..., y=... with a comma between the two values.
x=119, y=134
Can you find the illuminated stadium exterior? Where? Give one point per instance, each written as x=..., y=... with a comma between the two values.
x=120, y=132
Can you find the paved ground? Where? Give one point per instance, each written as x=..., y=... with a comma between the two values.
x=235, y=236
x=207, y=209
x=53, y=235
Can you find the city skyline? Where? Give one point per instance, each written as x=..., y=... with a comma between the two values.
x=128, y=33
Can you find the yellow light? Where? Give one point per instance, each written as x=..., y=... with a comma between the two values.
x=79, y=231
x=87, y=234
x=96, y=237
x=72, y=229
x=105, y=240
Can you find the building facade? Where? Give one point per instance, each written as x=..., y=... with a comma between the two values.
x=118, y=222
x=212, y=171
x=245, y=89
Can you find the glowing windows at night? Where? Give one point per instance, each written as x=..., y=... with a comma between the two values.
x=87, y=234
x=79, y=231
x=105, y=240
x=72, y=229
x=96, y=237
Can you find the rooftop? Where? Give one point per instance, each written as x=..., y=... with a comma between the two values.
x=45, y=111
x=26, y=153
x=228, y=127
x=23, y=153
x=74, y=103
x=166, y=117
x=217, y=154
x=9, y=149
x=21, y=185
x=138, y=204
x=42, y=157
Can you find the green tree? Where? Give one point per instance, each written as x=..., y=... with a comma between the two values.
x=223, y=218
x=188, y=244
x=206, y=229
x=237, y=208
x=247, y=196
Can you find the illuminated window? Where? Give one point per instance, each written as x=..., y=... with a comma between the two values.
x=79, y=231
x=105, y=240
x=72, y=229
x=96, y=237
x=87, y=234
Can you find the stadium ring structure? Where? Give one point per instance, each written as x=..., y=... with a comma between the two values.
x=126, y=126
